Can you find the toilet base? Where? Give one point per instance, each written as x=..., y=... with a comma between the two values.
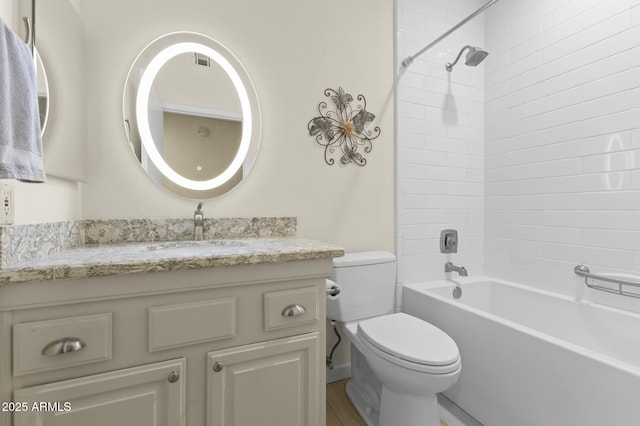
x=407, y=409
x=396, y=409
x=368, y=412
x=364, y=389
x=369, y=398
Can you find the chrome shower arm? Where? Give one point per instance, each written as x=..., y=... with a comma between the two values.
x=450, y=65
x=407, y=61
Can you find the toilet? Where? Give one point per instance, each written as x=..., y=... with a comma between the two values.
x=398, y=362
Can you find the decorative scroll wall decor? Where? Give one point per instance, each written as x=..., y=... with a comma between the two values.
x=344, y=129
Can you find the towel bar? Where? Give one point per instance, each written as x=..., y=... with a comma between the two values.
x=27, y=29
x=30, y=27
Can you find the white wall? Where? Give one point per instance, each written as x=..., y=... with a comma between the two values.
x=562, y=140
x=7, y=12
x=293, y=52
x=440, y=140
x=57, y=200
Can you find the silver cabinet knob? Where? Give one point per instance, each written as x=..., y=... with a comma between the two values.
x=173, y=377
x=64, y=345
x=293, y=310
x=217, y=367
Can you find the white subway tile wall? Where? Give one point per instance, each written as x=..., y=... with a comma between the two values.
x=534, y=155
x=441, y=131
x=562, y=157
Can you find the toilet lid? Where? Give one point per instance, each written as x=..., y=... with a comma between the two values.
x=410, y=338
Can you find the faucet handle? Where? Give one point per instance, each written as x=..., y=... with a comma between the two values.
x=448, y=241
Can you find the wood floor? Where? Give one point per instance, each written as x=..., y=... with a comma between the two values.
x=340, y=410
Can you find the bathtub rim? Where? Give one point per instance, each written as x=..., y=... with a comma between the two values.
x=425, y=286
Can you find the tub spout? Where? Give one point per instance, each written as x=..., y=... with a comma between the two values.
x=461, y=270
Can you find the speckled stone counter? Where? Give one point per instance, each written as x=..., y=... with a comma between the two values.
x=103, y=248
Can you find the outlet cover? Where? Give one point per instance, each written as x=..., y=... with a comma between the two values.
x=7, y=198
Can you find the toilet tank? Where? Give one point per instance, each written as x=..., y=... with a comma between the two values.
x=367, y=286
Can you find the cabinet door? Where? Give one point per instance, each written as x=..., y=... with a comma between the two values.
x=152, y=394
x=270, y=383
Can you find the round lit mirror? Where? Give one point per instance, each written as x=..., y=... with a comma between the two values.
x=191, y=115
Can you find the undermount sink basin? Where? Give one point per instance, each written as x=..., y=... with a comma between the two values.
x=165, y=245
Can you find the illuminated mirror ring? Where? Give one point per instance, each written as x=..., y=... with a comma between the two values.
x=201, y=126
x=142, y=117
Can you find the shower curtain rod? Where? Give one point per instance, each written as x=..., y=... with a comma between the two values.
x=410, y=59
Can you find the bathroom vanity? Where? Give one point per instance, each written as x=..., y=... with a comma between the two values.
x=229, y=333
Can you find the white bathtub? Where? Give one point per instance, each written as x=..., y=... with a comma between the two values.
x=535, y=358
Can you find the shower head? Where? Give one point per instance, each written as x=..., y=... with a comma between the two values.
x=475, y=55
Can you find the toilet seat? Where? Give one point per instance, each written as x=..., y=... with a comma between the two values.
x=410, y=342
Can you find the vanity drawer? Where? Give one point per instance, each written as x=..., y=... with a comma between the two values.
x=184, y=324
x=290, y=308
x=60, y=343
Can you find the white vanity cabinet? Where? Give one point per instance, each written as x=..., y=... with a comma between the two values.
x=233, y=346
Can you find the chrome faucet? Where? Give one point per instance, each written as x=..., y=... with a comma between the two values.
x=198, y=223
x=450, y=267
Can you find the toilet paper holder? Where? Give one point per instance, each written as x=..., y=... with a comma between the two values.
x=332, y=289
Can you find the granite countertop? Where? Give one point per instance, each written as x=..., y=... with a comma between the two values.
x=94, y=248
x=129, y=258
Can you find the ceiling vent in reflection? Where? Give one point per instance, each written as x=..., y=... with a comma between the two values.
x=202, y=60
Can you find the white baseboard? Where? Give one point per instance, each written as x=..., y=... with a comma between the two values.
x=339, y=372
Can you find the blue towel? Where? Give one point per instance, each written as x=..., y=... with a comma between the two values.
x=20, y=140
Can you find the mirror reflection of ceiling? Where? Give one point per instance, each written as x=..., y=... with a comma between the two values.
x=183, y=82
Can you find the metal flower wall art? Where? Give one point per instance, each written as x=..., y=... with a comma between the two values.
x=343, y=130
